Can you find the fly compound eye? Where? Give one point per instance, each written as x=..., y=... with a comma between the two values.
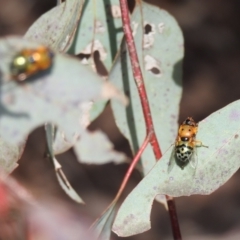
x=29, y=62
x=185, y=139
x=18, y=65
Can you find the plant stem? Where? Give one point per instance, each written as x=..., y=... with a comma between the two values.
x=138, y=77
x=173, y=218
x=132, y=166
x=126, y=177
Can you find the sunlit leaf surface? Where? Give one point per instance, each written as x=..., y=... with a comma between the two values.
x=100, y=30
x=216, y=164
x=9, y=155
x=98, y=39
x=103, y=226
x=62, y=179
x=90, y=151
x=159, y=46
x=57, y=27
x=53, y=96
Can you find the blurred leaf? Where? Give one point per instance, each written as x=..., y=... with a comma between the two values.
x=98, y=39
x=160, y=50
x=61, y=142
x=52, y=96
x=102, y=226
x=50, y=131
x=10, y=154
x=91, y=152
x=216, y=164
x=57, y=27
x=100, y=29
x=64, y=183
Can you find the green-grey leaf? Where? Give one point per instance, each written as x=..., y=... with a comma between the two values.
x=54, y=96
x=9, y=155
x=66, y=186
x=51, y=97
x=57, y=27
x=84, y=144
x=160, y=54
x=61, y=144
x=102, y=226
x=97, y=109
x=50, y=131
x=100, y=29
x=91, y=152
x=216, y=164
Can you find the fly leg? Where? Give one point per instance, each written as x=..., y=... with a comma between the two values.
x=199, y=144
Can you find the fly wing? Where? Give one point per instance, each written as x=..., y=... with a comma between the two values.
x=194, y=159
x=172, y=160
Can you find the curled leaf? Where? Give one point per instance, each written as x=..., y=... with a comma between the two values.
x=53, y=96
x=160, y=54
x=9, y=155
x=62, y=179
x=102, y=227
x=89, y=150
x=216, y=164
x=99, y=33
x=57, y=27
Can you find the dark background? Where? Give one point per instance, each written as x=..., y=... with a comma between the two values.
x=211, y=81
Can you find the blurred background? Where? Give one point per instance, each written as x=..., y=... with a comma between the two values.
x=211, y=80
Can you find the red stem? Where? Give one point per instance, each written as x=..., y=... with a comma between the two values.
x=173, y=218
x=137, y=73
x=138, y=77
x=126, y=177
x=132, y=166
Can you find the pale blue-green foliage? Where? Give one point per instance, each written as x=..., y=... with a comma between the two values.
x=216, y=164
x=165, y=45
x=100, y=29
x=91, y=151
x=57, y=27
x=10, y=154
x=63, y=25
x=52, y=97
x=66, y=186
x=102, y=226
x=98, y=24
x=162, y=51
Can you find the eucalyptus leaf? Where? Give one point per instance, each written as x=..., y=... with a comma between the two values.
x=57, y=27
x=216, y=164
x=10, y=154
x=91, y=152
x=52, y=96
x=64, y=183
x=62, y=179
x=50, y=131
x=102, y=226
x=159, y=45
x=100, y=29
x=62, y=144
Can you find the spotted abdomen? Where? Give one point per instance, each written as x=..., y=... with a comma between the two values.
x=184, y=152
